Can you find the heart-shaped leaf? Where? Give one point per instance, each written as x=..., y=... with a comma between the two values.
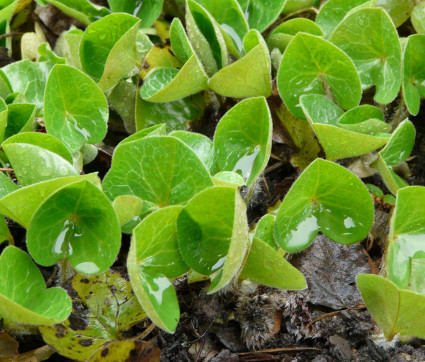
x=104, y=307
x=250, y=76
x=150, y=169
x=370, y=39
x=282, y=35
x=328, y=198
x=23, y=294
x=399, y=10
x=407, y=239
x=29, y=79
x=313, y=65
x=262, y=13
x=242, y=141
x=264, y=230
x=82, y=10
x=108, y=49
x=68, y=47
x=342, y=134
x=333, y=11
x=418, y=18
x=266, y=266
x=76, y=222
x=395, y=310
x=147, y=11
x=180, y=113
x=213, y=234
x=206, y=38
x=74, y=120
x=414, y=72
x=32, y=163
x=21, y=204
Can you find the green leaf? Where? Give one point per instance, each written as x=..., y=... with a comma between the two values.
x=230, y=16
x=170, y=84
x=339, y=137
x=159, y=56
x=123, y=100
x=33, y=164
x=82, y=10
x=414, y=72
x=20, y=118
x=294, y=5
x=156, y=243
x=418, y=18
x=262, y=13
x=3, y=118
x=29, y=78
x=250, y=76
x=206, y=38
x=281, y=36
x=264, y=230
x=332, y=13
x=21, y=204
x=127, y=207
x=242, y=141
x=104, y=307
x=179, y=41
x=68, y=47
x=407, y=235
x=43, y=140
x=74, y=120
x=5, y=234
x=6, y=185
x=76, y=222
x=179, y=113
x=158, y=130
x=150, y=169
x=155, y=293
x=199, y=144
x=375, y=190
x=146, y=10
x=267, y=267
x=313, y=65
x=23, y=294
x=326, y=197
x=399, y=10
x=228, y=178
x=365, y=119
x=396, y=311
x=370, y=39
x=108, y=49
x=213, y=234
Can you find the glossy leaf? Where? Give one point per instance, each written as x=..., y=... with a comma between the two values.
x=395, y=310
x=82, y=10
x=407, y=239
x=418, y=18
x=156, y=243
x=213, y=234
x=20, y=118
x=264, y=230
x=399, y=10
x=32, y=163
x=206, y=38
x=338, y=133
x=68, y=47
x=228, y=178
x=150, y=169
x=294, y=5
x=146, y=10
x=160, y=56
x=262, y=13
x=242, y=141
x=78, y=223
x=313, y=65
x=370, y=39
x=332, y=13
x=266, y=266
x=74, y=120
x=23, y=294
x=109, y=309
x=170, y=84
x=108, y=49
x=230, y=16
x=327, y=198
x=123, y=100
x=414, y=72
x=127, y=207
x=29, y=79
x=201, y=145
x=250, y=76
x=180, y=113
x=21, y=204
x=158, y=130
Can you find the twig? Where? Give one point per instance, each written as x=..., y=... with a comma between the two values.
x=145, y=333
x=2, y=36
x=273, y=167
x=275, y=350
x=6, y=169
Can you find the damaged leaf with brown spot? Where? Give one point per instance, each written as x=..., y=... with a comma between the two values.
x=103, y=308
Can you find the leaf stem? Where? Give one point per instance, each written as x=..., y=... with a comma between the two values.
x=400, y=114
